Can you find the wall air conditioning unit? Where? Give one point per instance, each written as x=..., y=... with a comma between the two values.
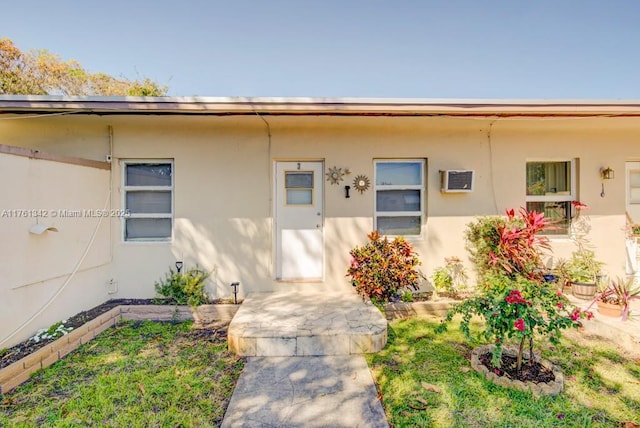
x=456, y=181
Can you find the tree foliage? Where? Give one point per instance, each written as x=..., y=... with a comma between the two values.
x=40, y=72
x=513, y=298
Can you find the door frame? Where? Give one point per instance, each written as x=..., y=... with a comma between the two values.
x=274, y=207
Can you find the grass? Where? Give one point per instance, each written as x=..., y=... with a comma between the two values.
x=426, y=380
x=136, y=374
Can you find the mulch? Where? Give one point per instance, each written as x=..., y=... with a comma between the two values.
x=535, y=372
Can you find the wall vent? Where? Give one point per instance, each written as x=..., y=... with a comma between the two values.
x=456, y=181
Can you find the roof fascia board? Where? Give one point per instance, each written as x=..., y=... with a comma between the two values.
x=312, y=106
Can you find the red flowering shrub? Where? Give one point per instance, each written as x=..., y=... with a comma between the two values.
x=514, y=300
x=381, y=269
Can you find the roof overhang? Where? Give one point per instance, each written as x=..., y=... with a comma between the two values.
x=218, y=106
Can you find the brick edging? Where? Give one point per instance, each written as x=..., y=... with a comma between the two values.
x=18, y=372
x=402, y=310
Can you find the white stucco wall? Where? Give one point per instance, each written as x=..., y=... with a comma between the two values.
x=223, y=182
x=35, y=268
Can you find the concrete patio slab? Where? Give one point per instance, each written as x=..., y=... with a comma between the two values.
x=325, y=391
x=625, y=334
x=299, y=323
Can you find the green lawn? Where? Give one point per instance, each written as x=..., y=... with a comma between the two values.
x=136, y=374
x=426, y=380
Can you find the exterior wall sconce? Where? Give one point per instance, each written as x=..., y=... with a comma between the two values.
x=346, y=191
x=179, y=266
x=606, y=174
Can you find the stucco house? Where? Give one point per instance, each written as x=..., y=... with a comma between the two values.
x=100, y=196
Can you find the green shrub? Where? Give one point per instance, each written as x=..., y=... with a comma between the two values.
x=450, y=278
x=381, y=269
x=483, y=238
x=184, y=288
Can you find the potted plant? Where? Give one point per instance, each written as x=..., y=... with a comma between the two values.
x=614, y=300
x=583, y=270
x=583, y=267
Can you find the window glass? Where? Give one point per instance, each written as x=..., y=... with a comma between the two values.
x=549, y=190
x=148, y=175
x=398, y=173
x=548, y=178
x=147, y=228
x=148, y=198
x=557, y=213
x=399, y=193
x=400, y=226
x=299, y=180
x=398, y=200
x=299, y=197
x=149, y=202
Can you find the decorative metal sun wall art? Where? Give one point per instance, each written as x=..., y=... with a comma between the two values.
x=335, y=175
x=361, y=183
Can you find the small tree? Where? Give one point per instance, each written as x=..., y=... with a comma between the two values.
x=514, y=300
x=381, y=269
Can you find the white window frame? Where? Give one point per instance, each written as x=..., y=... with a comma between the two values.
x=572, y=196
x=421, y=187
x=125, y=189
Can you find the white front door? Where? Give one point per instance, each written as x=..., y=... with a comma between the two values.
x=299, y=221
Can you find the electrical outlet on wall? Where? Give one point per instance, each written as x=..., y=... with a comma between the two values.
x=112, y=286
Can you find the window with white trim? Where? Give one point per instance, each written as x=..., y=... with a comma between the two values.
x=551, y=186
x=399, y=187
x=148, y=200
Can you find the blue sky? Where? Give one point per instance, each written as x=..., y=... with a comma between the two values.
x=348, y=48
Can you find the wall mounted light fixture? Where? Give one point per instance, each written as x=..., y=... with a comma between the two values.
x=606, y=174
x=179, y=266
x=346, y=191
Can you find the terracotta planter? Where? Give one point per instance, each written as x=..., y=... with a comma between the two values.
x=584, y=290
x=609, y=310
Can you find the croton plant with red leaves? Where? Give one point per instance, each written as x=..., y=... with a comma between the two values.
x=513, y=298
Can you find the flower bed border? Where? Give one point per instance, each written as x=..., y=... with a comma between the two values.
x=538, y=389
x=401, y=310
x=20, y=371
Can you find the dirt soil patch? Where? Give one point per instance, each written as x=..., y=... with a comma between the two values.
x=535, y=372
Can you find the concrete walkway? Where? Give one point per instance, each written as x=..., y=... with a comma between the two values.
x=625, y=334
x=305, y=366
x=322, y=391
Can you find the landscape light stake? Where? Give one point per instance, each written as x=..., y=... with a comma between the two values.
x=235, y=286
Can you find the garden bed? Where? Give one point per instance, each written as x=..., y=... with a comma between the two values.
x=157, y=374
x=20, y=361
